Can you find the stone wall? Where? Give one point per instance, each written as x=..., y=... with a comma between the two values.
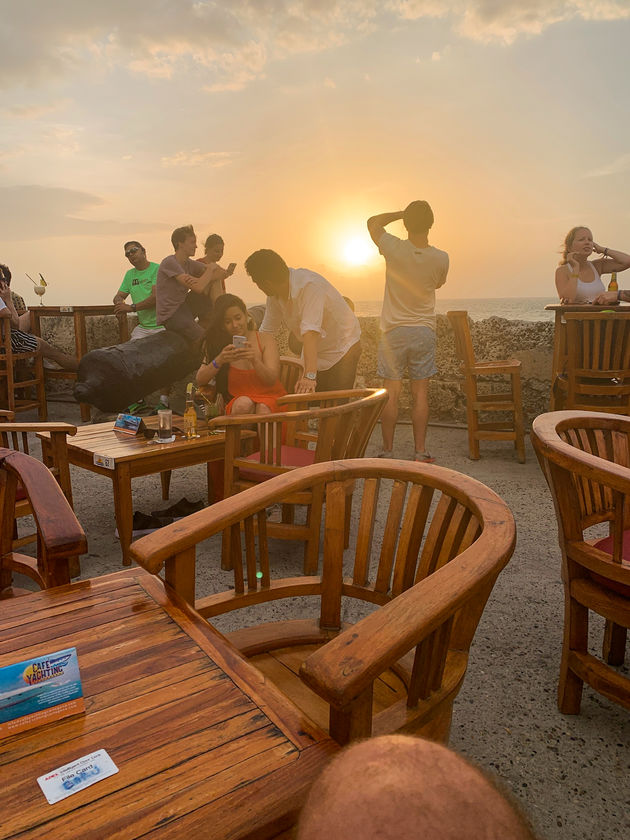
x=493, y=339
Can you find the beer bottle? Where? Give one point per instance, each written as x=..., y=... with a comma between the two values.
x=613, y=286
x=190, y=415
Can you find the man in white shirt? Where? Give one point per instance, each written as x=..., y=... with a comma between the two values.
x=308, y=305
x=413, y=271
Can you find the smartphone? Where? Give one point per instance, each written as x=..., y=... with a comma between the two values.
x=239, y=340
x=231, y=267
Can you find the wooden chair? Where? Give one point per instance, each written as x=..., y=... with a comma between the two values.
x=12, y=389
x=585, y=458
x=55, y=457
x=597, y=365
x=428, y=548
x=320, y=427
x=60, y=538
x=505, y=401
x=290, y=371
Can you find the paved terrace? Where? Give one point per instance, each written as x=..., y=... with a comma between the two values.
x=570, y=774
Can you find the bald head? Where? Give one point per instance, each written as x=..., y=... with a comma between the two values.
x=403, y=788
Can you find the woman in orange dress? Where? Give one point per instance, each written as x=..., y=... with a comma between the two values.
x=244, y=362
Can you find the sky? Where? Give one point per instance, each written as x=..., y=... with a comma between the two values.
x=285, y=124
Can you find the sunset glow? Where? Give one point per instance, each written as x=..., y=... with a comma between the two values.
x=359, y=250
x=287, y=131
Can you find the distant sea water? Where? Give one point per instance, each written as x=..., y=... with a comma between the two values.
x=514, y=309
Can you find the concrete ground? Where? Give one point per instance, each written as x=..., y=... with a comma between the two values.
x=569, y=773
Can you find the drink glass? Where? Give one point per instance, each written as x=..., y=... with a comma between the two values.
x=165, y=424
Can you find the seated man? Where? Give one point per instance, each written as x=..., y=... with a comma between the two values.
x=186, y=288
x=316, y=314
x=139, y=282
x=23, y=342
x=401, y=788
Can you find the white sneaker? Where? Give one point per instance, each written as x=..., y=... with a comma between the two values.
x=50, y=365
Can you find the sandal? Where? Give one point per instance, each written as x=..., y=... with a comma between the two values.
x=424, y=458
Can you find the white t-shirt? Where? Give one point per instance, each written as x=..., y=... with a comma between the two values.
x=411, y=277
x=314, y=305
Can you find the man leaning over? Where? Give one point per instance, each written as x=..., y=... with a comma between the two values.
x=413, y=271
x=139, y=282
x=308, y=305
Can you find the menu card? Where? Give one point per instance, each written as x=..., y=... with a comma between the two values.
x=40, y=690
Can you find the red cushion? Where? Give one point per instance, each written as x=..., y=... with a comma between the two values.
x=607, y=546
x=291, y=456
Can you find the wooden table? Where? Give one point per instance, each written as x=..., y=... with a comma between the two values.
x=133, y=457
x=560, y=339
x=204, y=746
x=79, y=314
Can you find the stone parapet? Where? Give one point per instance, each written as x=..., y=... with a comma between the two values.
x=493, y=339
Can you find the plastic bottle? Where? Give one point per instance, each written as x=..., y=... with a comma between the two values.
x=613, y=286
x=190, y=415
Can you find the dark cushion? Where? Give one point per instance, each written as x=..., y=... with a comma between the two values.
x=607, y=546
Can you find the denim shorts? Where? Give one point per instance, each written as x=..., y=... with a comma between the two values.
x=408, y=350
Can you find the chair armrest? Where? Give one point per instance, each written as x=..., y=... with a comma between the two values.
x=59, y=529
x=5, y=415
x=68, y=428
x=345, y=667
x=321, y=396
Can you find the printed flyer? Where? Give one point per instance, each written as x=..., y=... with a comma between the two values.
x=40, y=690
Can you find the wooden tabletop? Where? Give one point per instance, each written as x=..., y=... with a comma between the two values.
x=203, y=745
x=586, y=307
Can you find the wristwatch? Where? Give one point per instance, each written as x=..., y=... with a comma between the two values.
x=133, y=307
x=310, y=375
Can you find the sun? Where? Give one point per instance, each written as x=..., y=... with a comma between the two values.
x=358, y=250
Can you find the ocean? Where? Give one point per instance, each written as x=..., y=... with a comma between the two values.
x=514, y=309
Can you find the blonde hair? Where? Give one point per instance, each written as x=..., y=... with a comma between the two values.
x=568, y=242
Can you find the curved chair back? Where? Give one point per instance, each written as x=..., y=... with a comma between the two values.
x=585, y=457
x=427, y=546
x=598, y=361
x=290, y=371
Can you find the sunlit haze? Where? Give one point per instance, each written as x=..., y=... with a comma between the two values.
x=285, y=125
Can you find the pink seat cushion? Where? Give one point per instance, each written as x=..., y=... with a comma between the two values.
x=291, y=456
x=607, y=546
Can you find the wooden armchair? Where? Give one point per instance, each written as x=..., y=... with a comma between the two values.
x=320, y=427
x=585, y=457
x=55, y=457
x=13, y=391
x=290, y=371
x=596, y=376
x=428, y=547
x=60, y=538
x=504, y=401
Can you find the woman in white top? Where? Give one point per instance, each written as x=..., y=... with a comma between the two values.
x=578, y=279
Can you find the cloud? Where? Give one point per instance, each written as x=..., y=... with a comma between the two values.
x=232, y=44
x=616, y=167
x=34, y=212
x=35, y=111
x=196, y=157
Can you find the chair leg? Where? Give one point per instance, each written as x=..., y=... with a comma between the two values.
x=614, y=648
x=40, y=389
x=519, y=427
x=472, y=419
x=165, y=480
x=570, y=686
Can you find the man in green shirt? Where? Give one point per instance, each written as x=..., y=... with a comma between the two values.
x=139, y=282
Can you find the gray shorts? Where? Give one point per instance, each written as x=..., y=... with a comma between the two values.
x=407, y=350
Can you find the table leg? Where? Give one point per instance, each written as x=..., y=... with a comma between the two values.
x=165, y=479
x=123, y=507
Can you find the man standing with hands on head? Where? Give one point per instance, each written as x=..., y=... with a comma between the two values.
x=413, y=271
x=139, y=282
x=308, y=305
